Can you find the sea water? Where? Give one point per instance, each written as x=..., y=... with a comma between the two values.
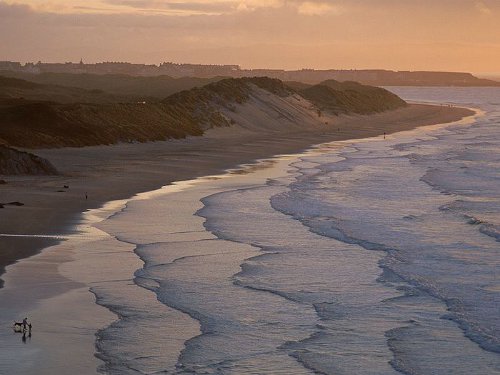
x=376, y=256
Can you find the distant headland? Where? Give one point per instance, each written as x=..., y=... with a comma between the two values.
x=375, y=77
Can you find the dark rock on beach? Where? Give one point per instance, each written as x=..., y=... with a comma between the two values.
x=15, y=204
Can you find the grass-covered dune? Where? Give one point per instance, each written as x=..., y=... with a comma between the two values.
x=350, y=97
x=39, y=124
x=45, y=124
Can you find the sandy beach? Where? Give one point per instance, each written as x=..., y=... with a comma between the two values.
x=108, y=173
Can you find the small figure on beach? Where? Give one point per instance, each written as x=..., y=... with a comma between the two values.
x=86, y=196
x=25, y=324
x=384, y=135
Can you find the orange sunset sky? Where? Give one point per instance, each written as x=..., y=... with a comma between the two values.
x=454, y=35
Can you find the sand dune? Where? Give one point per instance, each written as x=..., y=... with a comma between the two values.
x=226, y=103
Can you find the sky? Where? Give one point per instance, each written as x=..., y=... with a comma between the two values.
x=451, y=35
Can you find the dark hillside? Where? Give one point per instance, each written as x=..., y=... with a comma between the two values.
x=135, y=88
x=14, y=88
x=297, y=86
x=14, y=83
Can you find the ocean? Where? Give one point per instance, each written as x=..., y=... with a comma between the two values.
x=372, y=256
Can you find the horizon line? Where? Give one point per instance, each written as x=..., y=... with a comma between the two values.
x=240, y=67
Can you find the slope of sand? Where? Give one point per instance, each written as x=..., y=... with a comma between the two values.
x=107, y=173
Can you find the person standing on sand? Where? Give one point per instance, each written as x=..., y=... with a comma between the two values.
x=25, y=323
x=86, y=196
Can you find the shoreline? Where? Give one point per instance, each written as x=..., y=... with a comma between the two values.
x=108, y=173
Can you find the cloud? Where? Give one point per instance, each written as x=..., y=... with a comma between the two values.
x=251, y=6
x=14, y=10
x=173, y=7
x=138, y=7
x=310, y=8
x=482, y=8
x=167, y=7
